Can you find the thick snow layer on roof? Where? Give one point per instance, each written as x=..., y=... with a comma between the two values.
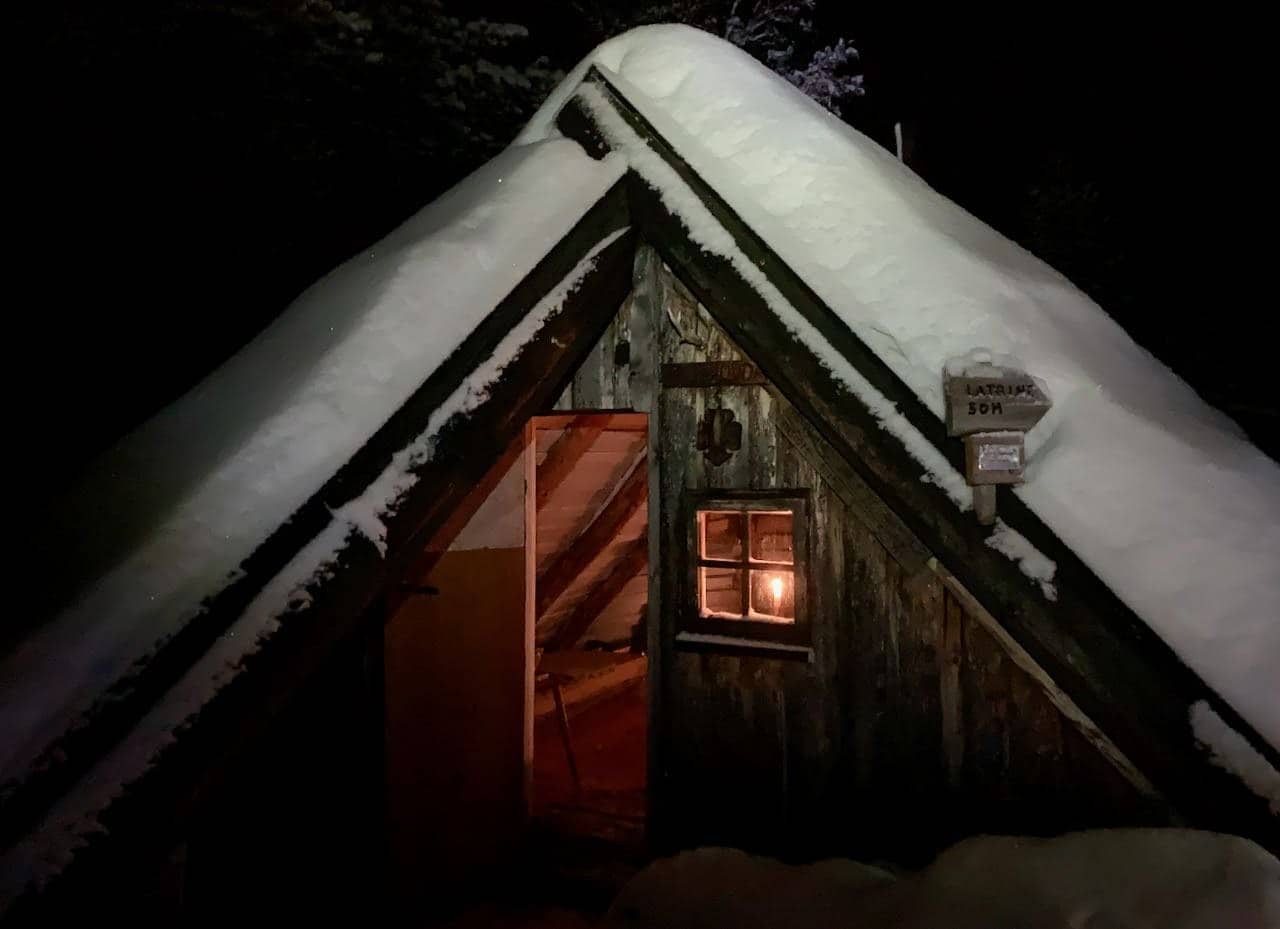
x=178, y=505
x=76, y=817
x=1157, y=492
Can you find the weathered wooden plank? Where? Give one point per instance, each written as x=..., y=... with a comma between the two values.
x=729, y=754
x=762, y=447
x=711, y=374
x=671, y=428
x=950, y=657
x=867, y=679
x=646, y=307
x=835, y=647
x=564, y=455
x=1036, y=772
x=864, y=505
x=620, y=361
x=1070, y=710
x=920, y=604
x=568, y=565
x=736, y=472
x=603, y=380
x=606, y=420
x=985, y=684
x=813, y=724
x=592, y=381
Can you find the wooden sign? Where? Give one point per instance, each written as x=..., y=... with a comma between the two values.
x=711, y=374
x=994, y=458
x=1008, y=400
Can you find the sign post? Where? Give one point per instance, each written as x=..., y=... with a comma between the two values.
x=992, y=408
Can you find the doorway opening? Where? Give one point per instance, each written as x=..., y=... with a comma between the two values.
x=587, y=549
x=516, y=694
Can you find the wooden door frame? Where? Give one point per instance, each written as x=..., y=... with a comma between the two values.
x=628, y=420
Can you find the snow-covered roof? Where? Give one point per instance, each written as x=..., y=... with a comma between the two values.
x=1159, y=494
x=178, y=505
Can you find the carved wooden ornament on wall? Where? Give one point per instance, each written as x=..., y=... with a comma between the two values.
x=718, y=436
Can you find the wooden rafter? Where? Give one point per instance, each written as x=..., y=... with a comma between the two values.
x=603, y=529
x=564, y=455
x=584, y=614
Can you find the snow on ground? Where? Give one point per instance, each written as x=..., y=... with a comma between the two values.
x=178, y=505
x=1136, y=878
x=1158, y=493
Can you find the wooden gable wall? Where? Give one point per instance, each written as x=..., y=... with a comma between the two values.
x=1105, y=661
x=909, y=726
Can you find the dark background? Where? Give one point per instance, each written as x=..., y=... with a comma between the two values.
x=187, y=168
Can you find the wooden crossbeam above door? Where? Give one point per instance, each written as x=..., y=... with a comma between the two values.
x=607, y=420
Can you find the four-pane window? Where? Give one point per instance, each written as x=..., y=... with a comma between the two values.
x=746, y=564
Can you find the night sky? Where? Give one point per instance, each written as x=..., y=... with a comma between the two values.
x=191, y=166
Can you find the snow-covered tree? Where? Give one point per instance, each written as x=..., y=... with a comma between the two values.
x=775, y=30
x=779, y=33
x=476, y=80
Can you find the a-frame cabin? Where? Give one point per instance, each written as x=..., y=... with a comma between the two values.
x=841, y=658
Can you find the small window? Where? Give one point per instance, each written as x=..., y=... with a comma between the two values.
x=747, y=565
x=747, y=572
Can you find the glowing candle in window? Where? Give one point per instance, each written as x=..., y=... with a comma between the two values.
x=775, y=586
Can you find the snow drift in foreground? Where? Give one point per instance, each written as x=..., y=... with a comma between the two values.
x=1158, y=493
x=1131, y=878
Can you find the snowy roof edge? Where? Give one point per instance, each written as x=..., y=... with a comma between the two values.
x=453, y=386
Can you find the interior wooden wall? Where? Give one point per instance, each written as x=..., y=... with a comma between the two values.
x=455, y=711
